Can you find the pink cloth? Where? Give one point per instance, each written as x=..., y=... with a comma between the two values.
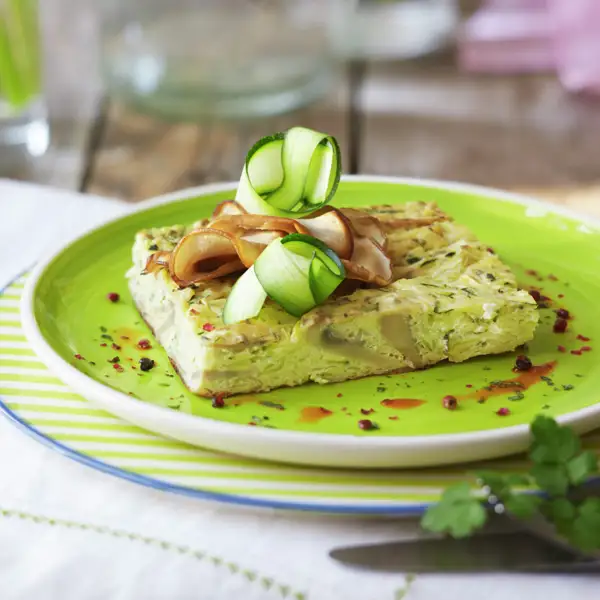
x=516, y=36
x=577, y=42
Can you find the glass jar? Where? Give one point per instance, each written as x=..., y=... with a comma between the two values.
x=400, y=29
x=23, y=124
x=192, y=59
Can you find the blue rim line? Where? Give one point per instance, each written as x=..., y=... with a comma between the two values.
x=407, y=510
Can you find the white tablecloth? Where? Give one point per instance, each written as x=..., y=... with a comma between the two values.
x=68, y=532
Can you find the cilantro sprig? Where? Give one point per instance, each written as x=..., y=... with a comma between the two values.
x=559, y=467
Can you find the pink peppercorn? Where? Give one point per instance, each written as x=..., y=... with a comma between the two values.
x=450, y=402
x=218, y=402
x=560, y=325
x=208, y=327
x=113, y=297
x=503, y=412
x=523, y=363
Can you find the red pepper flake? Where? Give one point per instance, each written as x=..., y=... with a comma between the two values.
x=114, y=359
x=394, y=418
x=144, y=344
x=576, y=352
x=343, y=408
x=586, y=348
x=208, y=327
x=532, y=272
x=450, y=402
x=124, y=337
x=469, y=385
x=561, y=348
x=113, y=297
x=503, y=412
x=118, y=367
x=79, y=357
x=561, y=295
x=367, y=411
x=563, y=313
x=535, y=295
x=491, y=250
x=560, y=325
x=103, y=345
x=251, y=423
x=340, y=395
x=115, y=346
x=552, y=277
x=366, y=425
x=193, y=311
x=583, y=338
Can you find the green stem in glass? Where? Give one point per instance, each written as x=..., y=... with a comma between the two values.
x=19, y=51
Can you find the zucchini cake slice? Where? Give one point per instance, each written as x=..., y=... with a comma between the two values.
x=450, y=298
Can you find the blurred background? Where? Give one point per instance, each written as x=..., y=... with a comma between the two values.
x=135, y=98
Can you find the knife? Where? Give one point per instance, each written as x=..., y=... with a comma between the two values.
x=508, y=552
x=505, y=545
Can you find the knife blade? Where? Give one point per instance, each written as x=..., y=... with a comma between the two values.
x=508, y=552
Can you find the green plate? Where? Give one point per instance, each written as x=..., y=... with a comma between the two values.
x=67, y=314
x=45, y=408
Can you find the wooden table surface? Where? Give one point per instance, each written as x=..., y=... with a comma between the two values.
x=422, y=118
